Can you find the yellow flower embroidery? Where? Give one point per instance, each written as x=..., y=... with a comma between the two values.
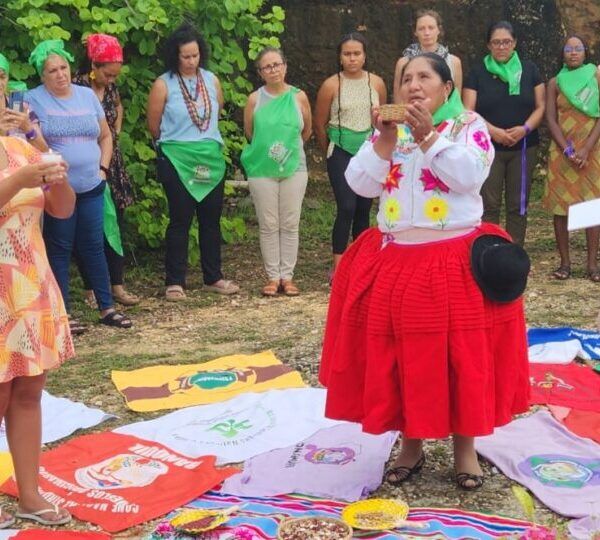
x=436, y=209
x=391, y=210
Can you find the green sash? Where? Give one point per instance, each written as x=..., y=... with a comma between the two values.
x=111, y=226
x=199, y=164
x=347, y=139
x=580, y=87
x=450, y=109
x=275, y=148
x=509, y=72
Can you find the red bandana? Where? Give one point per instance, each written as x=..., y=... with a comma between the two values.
x=104, y=48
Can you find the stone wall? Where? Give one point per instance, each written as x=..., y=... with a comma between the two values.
x=314, y=27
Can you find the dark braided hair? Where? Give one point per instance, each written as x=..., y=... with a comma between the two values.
x=352, y=36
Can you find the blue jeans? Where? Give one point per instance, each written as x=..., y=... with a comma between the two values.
x=83, y=231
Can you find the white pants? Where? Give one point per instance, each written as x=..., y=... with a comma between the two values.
x=278, y=204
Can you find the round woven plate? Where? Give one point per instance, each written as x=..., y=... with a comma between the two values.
x=187, y=521
x=375, y=514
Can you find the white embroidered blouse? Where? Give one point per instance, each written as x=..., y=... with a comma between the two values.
x=438, y=189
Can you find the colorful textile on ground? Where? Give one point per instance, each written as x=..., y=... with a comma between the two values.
x=238, y=429
x=46, y=534
x=61, y=417
x=585, y=424
x=117, y=481
x=561, y=469
x=172, y=387
x=341, y=462
x=588, y=339
x=260, y=517
x=575, y=386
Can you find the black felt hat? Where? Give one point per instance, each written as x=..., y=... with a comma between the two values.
x=500, y=267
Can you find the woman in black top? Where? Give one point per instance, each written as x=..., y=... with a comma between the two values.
x=509, y=93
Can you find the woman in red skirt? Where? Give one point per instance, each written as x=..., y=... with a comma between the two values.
x=412, y=343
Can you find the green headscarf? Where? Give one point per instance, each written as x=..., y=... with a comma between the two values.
x=580, y=87
x=16, y=86
x=43, y=50
x=450, y=109
x=4, y=64
x=509, y=72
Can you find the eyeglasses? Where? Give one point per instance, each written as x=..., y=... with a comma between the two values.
x=497, y=43
x=271, y=68
x=576, y=48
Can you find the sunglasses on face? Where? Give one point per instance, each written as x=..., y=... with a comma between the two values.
x=576, y=48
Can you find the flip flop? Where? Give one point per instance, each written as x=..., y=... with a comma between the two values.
x=38, y=516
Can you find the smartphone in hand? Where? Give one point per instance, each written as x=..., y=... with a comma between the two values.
x=15, y=101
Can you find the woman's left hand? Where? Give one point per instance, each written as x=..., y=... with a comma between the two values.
x=581, y=156
x=516, y=133
x=419, y=120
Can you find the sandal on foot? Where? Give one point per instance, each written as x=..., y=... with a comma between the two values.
x=400, y=474
x=562, y=273
x=289, y=288
x=226, y=287
x=126, y=299
x=594, y=275
x=114, y=318
x=175, y=293
x=90, y=300
x=77, y=327
x=38, y=516
x=463, y=480
x=270, y=289
x=9, y=520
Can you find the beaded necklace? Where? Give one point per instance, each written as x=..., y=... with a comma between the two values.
x=201, y=122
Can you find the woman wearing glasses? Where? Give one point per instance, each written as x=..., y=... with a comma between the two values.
x=509, y=93
x=277, y=122
x=573, y=116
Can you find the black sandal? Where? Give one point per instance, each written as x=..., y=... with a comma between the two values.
x=562, y=272
x=403, y=473
x=76, y=327
x=116, y=319
x=463, y=479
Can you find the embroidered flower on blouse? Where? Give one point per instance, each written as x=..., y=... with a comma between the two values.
x=391, y=211
x=436, y=209
x=393, y=178
x=481, y=140
x=432, y=183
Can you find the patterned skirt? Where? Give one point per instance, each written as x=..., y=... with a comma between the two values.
x=411, y=343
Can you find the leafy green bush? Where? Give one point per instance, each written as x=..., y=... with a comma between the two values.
x=234, y=29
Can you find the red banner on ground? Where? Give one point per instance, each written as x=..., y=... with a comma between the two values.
x=117, y=481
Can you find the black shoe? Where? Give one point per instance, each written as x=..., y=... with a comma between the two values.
x=398, y=475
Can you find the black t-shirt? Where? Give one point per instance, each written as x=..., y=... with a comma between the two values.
x=501, y=109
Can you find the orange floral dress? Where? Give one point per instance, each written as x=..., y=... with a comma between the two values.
x=34, y=328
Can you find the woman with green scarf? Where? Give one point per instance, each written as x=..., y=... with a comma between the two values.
x=510, y=94
x=573, y=116
x=411, y=342
x=19, y=121
x=277, y=121
x=183, y=119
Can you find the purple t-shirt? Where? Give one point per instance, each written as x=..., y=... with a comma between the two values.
x=71, y=127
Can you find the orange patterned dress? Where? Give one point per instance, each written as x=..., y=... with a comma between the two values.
x=34, y=328
x=566, y=183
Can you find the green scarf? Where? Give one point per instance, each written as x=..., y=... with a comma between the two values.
x=43, y=50
x=4, y=64
x=17, y=86
x=199, y=164
x=450, y=109
x=509, y=72
x=580, y=87
x=111, y=226
x=275, y=148
x=347, y=139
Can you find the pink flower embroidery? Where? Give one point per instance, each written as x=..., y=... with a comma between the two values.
x=481, y=140
x=393, y=178
x=432, y=182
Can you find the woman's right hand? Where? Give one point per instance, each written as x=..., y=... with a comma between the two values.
x=40, y=174
x=501, y=136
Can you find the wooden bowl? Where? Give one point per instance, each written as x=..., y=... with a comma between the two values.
x=392, y=112
x=312, y=526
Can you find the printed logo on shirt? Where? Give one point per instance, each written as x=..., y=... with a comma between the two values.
x=329, y=456
x=550, y=382
x=201, y=173
x=120, y=472
x=562, y=471
x=231, y=428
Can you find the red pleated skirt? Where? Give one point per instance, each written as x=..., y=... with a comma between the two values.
x=411, y=343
